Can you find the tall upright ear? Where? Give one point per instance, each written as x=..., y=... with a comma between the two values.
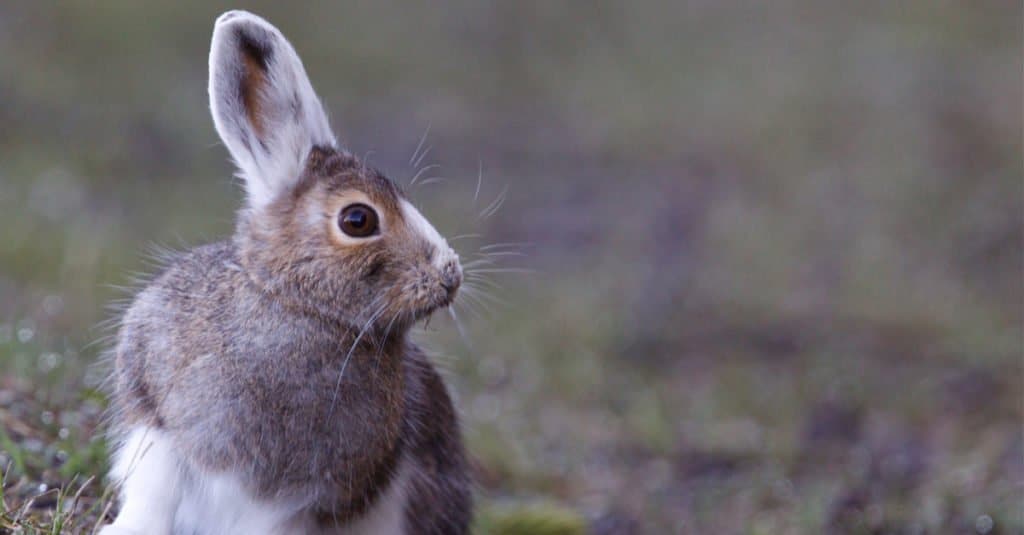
x=263, y=106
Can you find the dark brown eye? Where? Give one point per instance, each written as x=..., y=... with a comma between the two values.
x=358, y=221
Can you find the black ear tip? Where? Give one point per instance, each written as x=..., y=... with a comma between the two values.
x=255, y=44
x=247, y=33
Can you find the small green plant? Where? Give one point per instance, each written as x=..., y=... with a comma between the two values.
x=538, y=519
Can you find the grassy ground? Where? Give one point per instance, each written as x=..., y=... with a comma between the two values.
x=775, y=252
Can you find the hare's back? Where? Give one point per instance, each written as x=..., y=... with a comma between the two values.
x=171, y=324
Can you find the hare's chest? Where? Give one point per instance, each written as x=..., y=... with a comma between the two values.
x=334, y=427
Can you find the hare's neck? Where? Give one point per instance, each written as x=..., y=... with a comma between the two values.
x=374, y=344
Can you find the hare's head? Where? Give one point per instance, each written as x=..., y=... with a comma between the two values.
x=320, y=230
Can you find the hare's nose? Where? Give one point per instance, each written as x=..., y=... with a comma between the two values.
x=451, y=277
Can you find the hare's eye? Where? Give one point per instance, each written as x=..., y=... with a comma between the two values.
x=358, y=221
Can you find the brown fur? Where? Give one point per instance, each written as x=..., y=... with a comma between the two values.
x=253, y=81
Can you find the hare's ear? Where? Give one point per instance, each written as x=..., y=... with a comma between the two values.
x=263, y=105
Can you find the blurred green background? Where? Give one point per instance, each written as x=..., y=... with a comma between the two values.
x=774, y=248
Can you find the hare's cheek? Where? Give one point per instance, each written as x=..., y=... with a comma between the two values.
x=373, y=271
x=414, y=289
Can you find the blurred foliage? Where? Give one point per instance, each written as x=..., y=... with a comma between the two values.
x=775, y=248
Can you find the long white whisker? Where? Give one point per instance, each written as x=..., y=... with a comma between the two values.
x=472, y=295
x=495, y=204
x=355, y=343
x=431, y=180
x=479, y=262
x=472, y=308
x=422, y=157
x=479, y=179
x=380, y=347
x=412, y=181
x=503, y=253
x=485, y=281
x=467, y=310
x=503, y=245
x=474, y=292
x=484, y=294
x=504, y=270
x=465, y=236
x=419, y=146
x=459, y=327
x=387, y=332
x=484, y=305
x=471, y=301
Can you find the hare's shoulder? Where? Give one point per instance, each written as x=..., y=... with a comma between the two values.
x=188, y=283
x=200, y=273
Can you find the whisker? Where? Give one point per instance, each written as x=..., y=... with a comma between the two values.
x=502, y=253
x=380, y=347
x=459, y=327
x=419, y=173
x=479, y=179
x=387, y=332
x=485, y=294
x=504, y=270
x=495, y=204
x=475, y=291
x=473, y=298
x=502, y=245
x=485, y=304
x=482, y=280
x=419, y=146
x=478, y=262
x=366, y=158
x=355, y=343
x=469, y=298
x=421, y=157
x=471, y=308
x=432, y=180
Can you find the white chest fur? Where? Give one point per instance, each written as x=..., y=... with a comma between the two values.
x=161, y=494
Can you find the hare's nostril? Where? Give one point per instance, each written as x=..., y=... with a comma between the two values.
x=451, y=278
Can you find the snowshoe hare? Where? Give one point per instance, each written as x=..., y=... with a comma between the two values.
x=266, y=384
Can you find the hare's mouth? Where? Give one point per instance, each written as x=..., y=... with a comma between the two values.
x=426, y=312
x=444, y=299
